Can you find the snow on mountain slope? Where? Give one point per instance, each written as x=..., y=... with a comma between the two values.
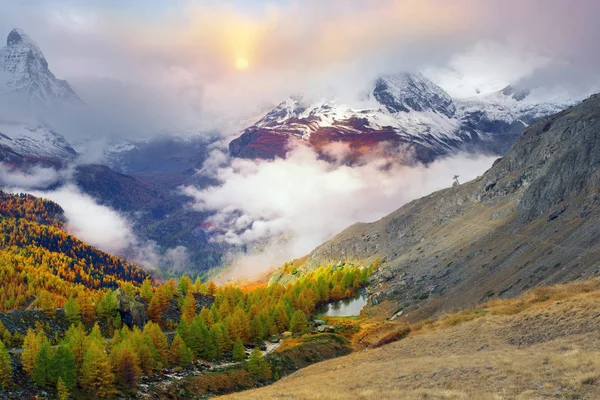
x=34, y=141
x=412, y=92
x=24, y=71
x=413, y=112
x=510, y=105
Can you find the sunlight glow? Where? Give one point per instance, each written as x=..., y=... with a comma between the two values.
x=241, y=63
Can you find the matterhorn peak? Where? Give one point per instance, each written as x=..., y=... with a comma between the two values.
x=17, y=36
x=26, y=69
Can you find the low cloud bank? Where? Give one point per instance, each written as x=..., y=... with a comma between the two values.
x=285, y=208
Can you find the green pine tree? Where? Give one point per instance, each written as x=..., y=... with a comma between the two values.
x=64, y=367
x=43, y=373
x=258, y=366
x=239, y=351
x=299, y=322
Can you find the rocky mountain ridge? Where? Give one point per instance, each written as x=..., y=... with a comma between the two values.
x=410, y=112
x=532, y=219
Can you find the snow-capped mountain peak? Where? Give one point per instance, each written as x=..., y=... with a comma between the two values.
x=406, y=92
x=39, y=141
x=411, y=110
x=25, y=73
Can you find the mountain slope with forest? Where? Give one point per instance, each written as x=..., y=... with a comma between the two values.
x=39, y=257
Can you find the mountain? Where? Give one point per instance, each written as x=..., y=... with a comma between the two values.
x=33, y=141
x=412, y=92
x=530, y=220
x=25, y=79
x=412, y=113
x=24, y=72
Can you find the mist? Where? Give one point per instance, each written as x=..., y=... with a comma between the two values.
x=282, y=209
x=91, y=222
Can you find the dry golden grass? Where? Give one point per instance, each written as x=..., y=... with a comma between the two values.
x=545, y=344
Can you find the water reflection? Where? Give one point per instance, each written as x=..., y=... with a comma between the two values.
x=345, y=308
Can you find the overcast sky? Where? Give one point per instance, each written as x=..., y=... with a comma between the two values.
x=334, y=47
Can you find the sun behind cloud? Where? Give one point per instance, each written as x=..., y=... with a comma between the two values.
x=241, y=63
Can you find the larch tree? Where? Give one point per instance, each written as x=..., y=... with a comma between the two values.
x=96, y=372
x=188, y=309
x=72, y=310
x=31, y=347
x=299, y=323
x=5, y=367
x=125, y=366
x=181, y=355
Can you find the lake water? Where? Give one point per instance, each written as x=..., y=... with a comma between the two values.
x=345, y=308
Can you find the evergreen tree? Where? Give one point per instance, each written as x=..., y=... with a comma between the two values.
x=43, y=373
x=64, y=367
x=239, y=351
x=72, y=310
x=181, y=355
x=5, y=368
x=258, y=366
x=78, y=342
x=299, y=323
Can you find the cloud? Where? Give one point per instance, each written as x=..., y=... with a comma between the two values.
x=282, y=209
x=36, y=177
x=93, y=223
x=172, y=64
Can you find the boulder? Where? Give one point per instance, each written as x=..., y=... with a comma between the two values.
x=326, y=329
x=133, y=312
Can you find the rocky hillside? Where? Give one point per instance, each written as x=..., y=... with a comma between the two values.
x=531, y=220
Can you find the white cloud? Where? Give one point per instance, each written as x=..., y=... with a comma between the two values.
x=34, y=177
x=309, y=200
x=91, y=222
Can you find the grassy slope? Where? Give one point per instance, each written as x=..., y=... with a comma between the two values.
x=545, y=344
